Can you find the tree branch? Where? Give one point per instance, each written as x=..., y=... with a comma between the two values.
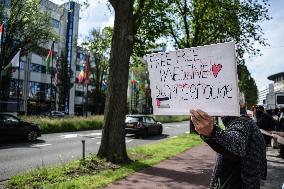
x=174, y=36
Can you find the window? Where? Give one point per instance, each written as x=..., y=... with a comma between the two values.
x=37, y=68
x=79, y=93
x=14, y=87
x=149, y=120
x=78, y=68
x=55, y=23
x=11, y=120
x=133, y=119
x=38, y=90
x=7, y=3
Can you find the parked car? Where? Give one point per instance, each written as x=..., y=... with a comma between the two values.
x=142, y=125
x=11, y=127
x=54, y=114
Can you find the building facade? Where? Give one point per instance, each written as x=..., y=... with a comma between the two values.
x=36, y=94
x=273, y=96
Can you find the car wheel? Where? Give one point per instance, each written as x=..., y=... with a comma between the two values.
x=160, y=130
x=32, y=136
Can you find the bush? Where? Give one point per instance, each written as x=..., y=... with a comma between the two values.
x=169, y=119
x=80, y=123
x=66, y=124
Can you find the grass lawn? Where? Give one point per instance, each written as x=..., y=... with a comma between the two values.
x=97, y=173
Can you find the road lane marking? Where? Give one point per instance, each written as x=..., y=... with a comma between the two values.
x=128, y=141
x=69, y=136
x=98, y=143
x=92, y=134
x=40, y=145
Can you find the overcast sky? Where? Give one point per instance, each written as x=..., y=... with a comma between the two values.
x=98, y=15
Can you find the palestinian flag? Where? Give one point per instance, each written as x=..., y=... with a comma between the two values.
x=48, y=60
x=81, y=76
x=1, y=31
x=87, y=68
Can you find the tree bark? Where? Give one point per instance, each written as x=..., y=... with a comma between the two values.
x=113, y=146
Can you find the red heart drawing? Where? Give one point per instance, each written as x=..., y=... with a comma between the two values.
x=158, y=102
x=216, y=69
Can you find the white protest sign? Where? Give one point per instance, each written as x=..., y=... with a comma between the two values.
x=196, y=78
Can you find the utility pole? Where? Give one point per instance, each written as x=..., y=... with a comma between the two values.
x=51, y=76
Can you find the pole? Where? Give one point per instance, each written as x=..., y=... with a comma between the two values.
x=83, y=99
x=51, y=77
x=83, y=150
x=1, y=56
x=18, y=87
x=87, y=100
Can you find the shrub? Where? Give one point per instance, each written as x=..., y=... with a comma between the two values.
x=66, y=124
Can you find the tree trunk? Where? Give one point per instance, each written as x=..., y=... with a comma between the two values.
x=113, y=146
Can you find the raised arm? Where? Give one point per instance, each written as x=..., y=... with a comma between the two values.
x=231, y=141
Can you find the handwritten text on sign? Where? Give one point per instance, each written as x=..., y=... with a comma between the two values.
x=201, y=77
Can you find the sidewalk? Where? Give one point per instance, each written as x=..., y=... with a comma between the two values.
x=275, y=170
x=192, y=170
x=189, y=170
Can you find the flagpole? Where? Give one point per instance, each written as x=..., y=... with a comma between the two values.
x=1, y=56
x=51, y=73
x=18, y=87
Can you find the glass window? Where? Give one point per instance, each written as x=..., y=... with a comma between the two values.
x=37, y=68
x=22, y=65
x=10, y=119
x=14, y=87
x=149, y=120
x=55, y=23
x=79, y=93
x=78, y=68
x=7, y=3
x=133, y=119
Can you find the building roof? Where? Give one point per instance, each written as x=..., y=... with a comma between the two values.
x=274, y=76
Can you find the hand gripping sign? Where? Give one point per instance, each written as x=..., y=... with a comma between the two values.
x=195, y=78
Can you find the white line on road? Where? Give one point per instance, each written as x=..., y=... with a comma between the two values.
x=69, y=136
x=40, y=145
x=128, y=141
x=92, y=134
x=98, y=143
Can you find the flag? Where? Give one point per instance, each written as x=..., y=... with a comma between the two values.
x=87, y=79
x=48, y=59
x=15, y=62
x=1, y=32
x=56, y=80
x=81, y=76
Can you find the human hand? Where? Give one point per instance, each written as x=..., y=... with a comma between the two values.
x=202, y=122
x=275, y=136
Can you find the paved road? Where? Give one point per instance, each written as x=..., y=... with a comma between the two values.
x=52, y=149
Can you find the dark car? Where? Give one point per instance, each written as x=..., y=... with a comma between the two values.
x=12, y=127
x=54, y=114
x=142, y=125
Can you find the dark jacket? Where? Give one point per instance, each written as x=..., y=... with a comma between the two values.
x=241, y=154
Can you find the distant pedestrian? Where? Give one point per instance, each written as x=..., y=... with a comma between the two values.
x=264, y=121
x=240, y=147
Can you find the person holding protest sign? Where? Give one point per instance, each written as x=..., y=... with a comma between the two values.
x=241, y=160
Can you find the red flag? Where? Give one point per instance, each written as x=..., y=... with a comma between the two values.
x=87, y=79
x=81, y=76
x=48, y=59
x=1, y=31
